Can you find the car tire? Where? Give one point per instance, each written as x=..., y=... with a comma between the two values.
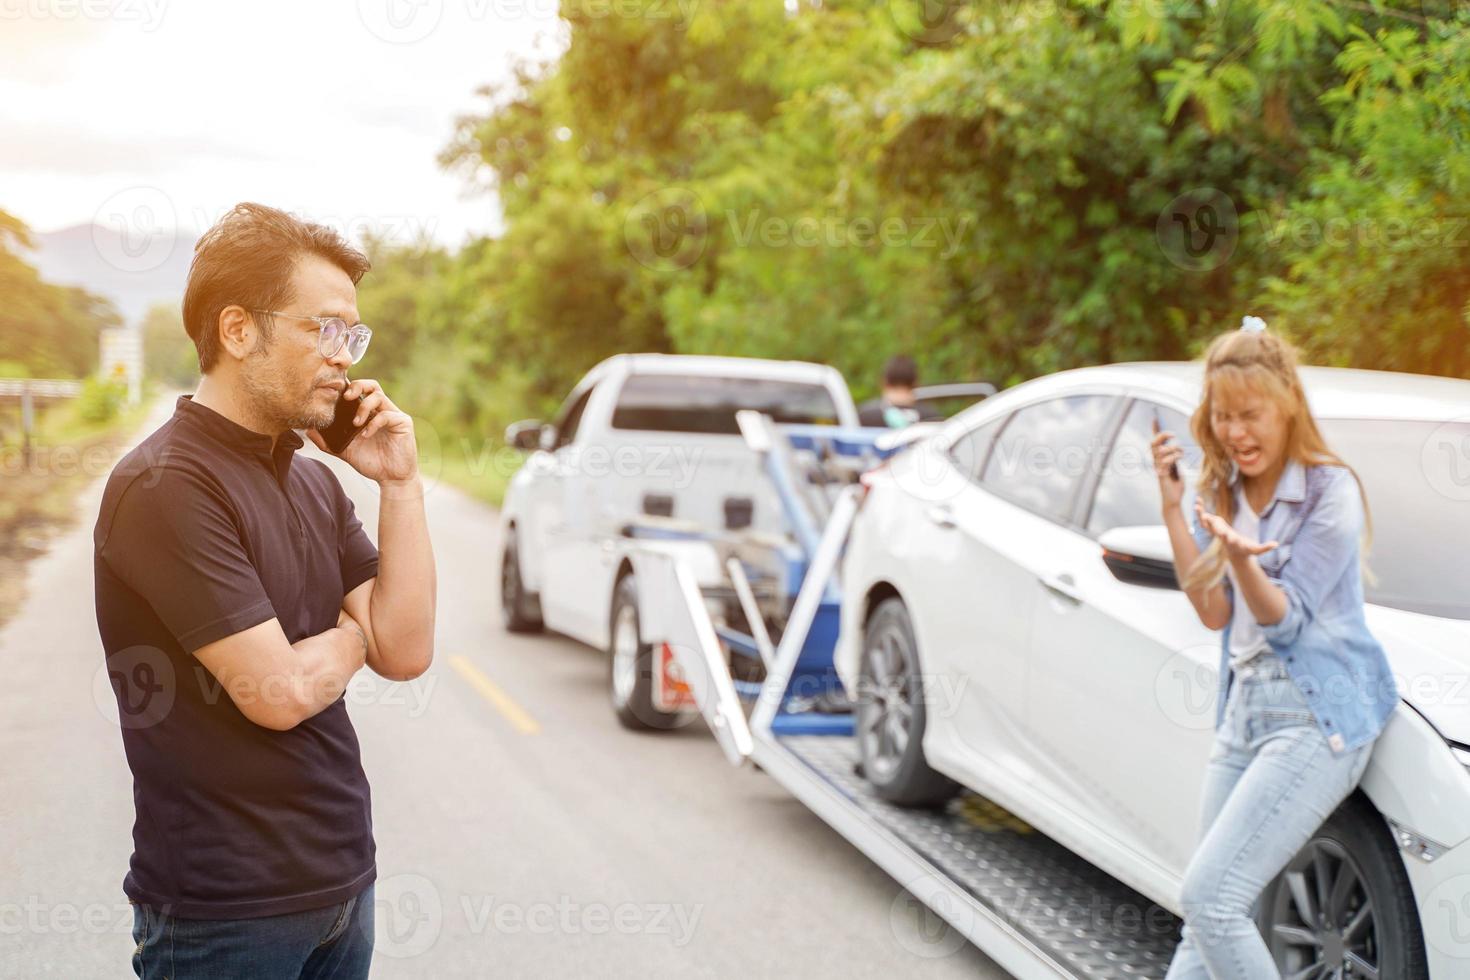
x=630, y=666
x=891, y=715
x=520, y=610
x=1353, y=841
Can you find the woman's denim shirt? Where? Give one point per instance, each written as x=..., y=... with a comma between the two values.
x=1341, y=670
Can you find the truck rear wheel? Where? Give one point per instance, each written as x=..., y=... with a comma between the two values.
x=630, y=666
x=519, y=610
x=891, y=715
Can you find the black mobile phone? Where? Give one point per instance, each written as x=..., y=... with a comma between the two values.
x=341, y=431
x=1173, y=467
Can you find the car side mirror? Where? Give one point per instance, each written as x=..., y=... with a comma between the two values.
x=1140, y=555
x=525, y=434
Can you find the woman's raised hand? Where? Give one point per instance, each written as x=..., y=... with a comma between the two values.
x=1237, y=545
x=1167, y=455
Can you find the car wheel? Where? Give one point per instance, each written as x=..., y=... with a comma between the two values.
x=891, y=713
x=520, y=611
x=630, y=666
x=1343, y=906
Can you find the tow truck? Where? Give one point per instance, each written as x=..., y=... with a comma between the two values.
x=1036, y=908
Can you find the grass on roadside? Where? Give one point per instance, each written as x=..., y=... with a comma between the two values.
x=483, y=474
x=38, y=496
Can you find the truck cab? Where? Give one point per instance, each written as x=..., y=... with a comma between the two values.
x=642, y=437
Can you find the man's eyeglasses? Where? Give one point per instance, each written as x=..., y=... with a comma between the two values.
x=333, y=332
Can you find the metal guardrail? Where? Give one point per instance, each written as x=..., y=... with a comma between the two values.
x=38, y=388
x=28, y=390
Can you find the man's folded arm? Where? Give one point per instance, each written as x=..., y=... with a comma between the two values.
x=278, y=685
x=175, y=540
x=392, y=598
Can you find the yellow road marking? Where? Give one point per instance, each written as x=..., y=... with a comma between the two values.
x=512, y=712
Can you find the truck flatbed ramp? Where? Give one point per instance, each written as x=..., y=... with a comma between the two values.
x=1004, y=885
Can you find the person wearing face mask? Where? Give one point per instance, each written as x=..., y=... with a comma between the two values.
x=1275, y=563
x=895, y=407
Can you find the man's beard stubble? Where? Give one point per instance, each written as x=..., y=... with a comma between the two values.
x=313, y=417
x=272, y=402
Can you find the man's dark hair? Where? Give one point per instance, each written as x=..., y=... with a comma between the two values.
x=900, y=372
x=247, y=258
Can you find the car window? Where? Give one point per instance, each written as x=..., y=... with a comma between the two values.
x=1128, y=491
x=970, y=450
x=700, y=403
x=570, y=418
x=1417, y=479
x=1043, y=452
x=946, y=407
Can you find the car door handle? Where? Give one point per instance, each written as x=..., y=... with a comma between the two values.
x=1063, y=586
x=940, y=514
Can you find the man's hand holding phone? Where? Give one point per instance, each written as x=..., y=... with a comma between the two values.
x=372, y=435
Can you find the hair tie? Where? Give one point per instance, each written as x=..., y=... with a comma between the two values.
x=1252, y=324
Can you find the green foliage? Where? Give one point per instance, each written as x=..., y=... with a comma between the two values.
x=1384, y=280
x=52, y=330
x=722, y=184
x=101, y=400
x=169, y=355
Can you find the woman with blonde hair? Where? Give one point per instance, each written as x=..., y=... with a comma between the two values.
x=1305, y=689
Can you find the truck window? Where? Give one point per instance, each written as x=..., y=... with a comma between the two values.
x=571, y=415
x=695, y=403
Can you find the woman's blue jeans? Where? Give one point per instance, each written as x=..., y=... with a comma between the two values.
x=1271, y=781
x=331, y=943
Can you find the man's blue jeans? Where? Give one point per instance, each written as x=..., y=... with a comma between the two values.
x=1271, y=781
x=331, y=943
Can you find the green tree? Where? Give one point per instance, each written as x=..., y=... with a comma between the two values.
x=169, y=354
x=721, y=184
x=52, y=330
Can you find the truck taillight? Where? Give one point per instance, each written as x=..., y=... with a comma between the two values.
x=866, y=480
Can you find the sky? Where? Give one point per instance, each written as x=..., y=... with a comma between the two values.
x=171, y=111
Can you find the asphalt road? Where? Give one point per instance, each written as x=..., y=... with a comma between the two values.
x=520, y=831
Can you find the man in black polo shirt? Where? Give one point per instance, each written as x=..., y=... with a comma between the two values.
x=237, y=594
